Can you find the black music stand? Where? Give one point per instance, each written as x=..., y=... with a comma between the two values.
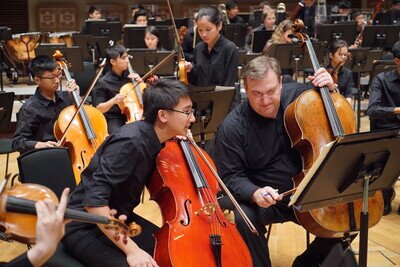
x=236, y=32
x=391, y=17
x=371, y=164
x=143, y=60
x=5, y=34
x=73, y=55
x=110, y=29
x=211, y=105
x=381, y=36
x=92, y=47
x=361, y=60
x=259, y=40
x=134, y=36
x=333, y=32
x=245, y=58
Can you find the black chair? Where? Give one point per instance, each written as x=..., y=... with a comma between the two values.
x=52, y=168
x=6, y=107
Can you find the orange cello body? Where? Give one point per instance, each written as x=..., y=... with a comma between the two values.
x=309, y=130
x=81, y=147
x=184, y=239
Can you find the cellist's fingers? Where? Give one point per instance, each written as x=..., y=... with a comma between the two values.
x=322, y=78
x=188, y=66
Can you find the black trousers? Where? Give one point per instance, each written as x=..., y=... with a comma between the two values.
x=92, y=248
x=278, y=213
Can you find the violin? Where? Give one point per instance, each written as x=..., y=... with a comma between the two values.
x=313, y=120
x=82, y=135
x=334, y=72
x=132, y=105
x=182, y=72
x=18, y=214
x=195, y=231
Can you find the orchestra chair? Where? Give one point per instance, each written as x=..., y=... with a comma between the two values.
x=6, y=107
x=85, y=78
x=50, y=167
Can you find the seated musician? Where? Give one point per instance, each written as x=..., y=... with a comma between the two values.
x=339, y=54
x=232, y=10
x=268, y=24
x=140, y=17
x=94, y=13
x=254, y=157
x=36, y=118
x=106, y=94
x=384, y=109
x=50, y=227
x=135, y=8
x=152, y=38
x=117, y=174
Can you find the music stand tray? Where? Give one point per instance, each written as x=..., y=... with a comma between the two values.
x=73, y=55
x=381, y=36
x=352, y=167
x=260, y=38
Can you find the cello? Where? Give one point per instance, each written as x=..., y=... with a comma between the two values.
x=18, y=213
x=195, y=231
x=332, y=117
x=81, y=135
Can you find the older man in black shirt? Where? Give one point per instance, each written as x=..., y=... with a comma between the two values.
x=117, y=174
x=38, y=114
x=384, y=108
x=254, y=157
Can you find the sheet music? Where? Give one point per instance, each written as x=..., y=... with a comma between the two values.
x=324, y=152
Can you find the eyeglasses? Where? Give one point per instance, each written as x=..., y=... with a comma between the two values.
x=187, y=113
x=52, y=78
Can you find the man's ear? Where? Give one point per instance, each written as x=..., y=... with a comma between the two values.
x=112, y=61
x=162, y=115
x=397, y=61
x=36, y=80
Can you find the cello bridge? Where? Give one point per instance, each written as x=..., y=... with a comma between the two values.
x=208, y=209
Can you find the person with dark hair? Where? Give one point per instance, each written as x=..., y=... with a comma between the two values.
x=232, y=10
x=117, y=174
x=106, y=94
x=339, y=53
x=152, y=38
x=140, y=17
x=254, y=157
x=384, y=108
x=93, y=14
x=215, y=59
x=135, y=8
x=344, y=10
x=38, y=114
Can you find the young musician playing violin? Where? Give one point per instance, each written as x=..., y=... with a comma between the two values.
x=106, y=94
x=38, y=114
x=343, y=76
x=215, y=59
x=117, y=174
x=50, y=228
x=254, y=157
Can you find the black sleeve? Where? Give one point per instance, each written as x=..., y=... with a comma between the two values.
x=193, y=73
x=375, y=109
x=20, y=261
x=27, y=125
x=100, y=94
x=232, y=63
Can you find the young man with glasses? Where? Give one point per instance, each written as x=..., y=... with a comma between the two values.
x=254, y=157
x=117, y=174
x=38, y=114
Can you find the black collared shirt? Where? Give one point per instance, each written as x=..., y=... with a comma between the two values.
x=106, y=88
x=384, y=97
x=252, y=151
x=236, y=19
x=118, y=171
x=36, y=120
x=217, y=67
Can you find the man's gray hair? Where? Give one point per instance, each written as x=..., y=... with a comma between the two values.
x=259, y=67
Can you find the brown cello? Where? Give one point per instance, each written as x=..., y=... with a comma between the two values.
x=195, y=231
x=313, y=120
x=18, y=213
x=82, y=135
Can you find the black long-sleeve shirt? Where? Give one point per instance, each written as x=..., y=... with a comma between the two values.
x=20, y=261
x=345, y=81
x=217, y=67
x=384, y=97
x=118, y=172
x=36, y=120
x=252, y=151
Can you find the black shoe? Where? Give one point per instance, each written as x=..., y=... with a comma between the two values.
x=388, y=196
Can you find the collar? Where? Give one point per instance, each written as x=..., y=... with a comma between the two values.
x=257, y=117
x=393, y=75
x=115, y=77
x=46, y=102
x=154, y=143
x=217, y=47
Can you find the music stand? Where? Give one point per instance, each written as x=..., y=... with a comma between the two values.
x=391, y=17
x=5, y=35
x=333, y=32
x=144, y=59
x=381, y=36
x=134, y=36
x=211, y=105
x=92, y=47
x=260, y=38
x=371, y=164
x=6, y=108
x=110, y=29
x=361, y=61
x=72, y=55
x=236, y=32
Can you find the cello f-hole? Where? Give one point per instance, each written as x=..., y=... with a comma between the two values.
x=186, y=206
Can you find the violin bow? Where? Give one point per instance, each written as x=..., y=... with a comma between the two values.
x=225, y=188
